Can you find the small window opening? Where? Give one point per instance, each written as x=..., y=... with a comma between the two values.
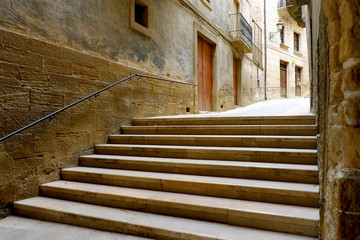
x=282, y=35
x=296, y=42
x=187, y=109
x=141, y=14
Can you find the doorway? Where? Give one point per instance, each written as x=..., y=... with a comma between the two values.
x=283, y=79
x=237, y=81
x=298, y=81
x=204, y=69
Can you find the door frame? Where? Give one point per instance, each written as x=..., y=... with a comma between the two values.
x=201, y=31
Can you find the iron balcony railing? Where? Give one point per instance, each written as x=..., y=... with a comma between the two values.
x=284, y=3
x=95, y=94
x=240, y=28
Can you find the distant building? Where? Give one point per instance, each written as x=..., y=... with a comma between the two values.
x=287, y=58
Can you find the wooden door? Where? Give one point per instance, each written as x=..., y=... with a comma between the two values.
x=298, y=81
x=283, y=74
x=204, y=67
x=235, y=80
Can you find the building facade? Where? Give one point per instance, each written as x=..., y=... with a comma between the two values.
x=287, y=58
x=53, y=53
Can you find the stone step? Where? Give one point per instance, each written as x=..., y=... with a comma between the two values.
x=283, y=130
x=279, y=155
x=139, y=223
x=303, y=142
x=22, y=228
x=268, y=216
x=235, y=169
x=247, y=189
x=253, y=120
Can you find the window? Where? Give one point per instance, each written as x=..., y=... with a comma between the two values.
x=296, y=42
x=141, y=16
x=237, y=6
x=282, y=35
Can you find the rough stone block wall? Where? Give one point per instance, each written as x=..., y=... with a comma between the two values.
x=39, y=77
x=341, y=159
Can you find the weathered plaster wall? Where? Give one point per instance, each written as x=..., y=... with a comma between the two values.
x=285, y=52
x=103, y=27
x=251, y=91
x=336, y=98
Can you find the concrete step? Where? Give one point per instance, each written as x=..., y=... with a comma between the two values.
x=283, y=130
x=303, y=142
x=247, y=189
x=279, y=155
x=139, y=223
x=254, y=120
x=236, y=169
x=268, y=216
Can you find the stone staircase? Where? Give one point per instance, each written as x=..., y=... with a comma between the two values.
x=193, y=178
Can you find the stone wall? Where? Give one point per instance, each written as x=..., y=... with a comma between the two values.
x=39, y=77
x=336, y=98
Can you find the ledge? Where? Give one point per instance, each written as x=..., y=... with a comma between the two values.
x=284, y=46
x=299, y=54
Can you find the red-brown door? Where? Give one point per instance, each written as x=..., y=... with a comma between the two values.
x=283, y=74
x=204, y=67
x=235, y=80
x=298, y=81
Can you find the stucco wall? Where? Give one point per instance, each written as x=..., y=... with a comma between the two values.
x=103, y=27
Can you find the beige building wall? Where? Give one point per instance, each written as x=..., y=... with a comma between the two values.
x=278, y=52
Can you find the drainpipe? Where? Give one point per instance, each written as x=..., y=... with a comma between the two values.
x=265, y=47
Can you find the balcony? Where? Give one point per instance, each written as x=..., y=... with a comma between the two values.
x=292, y=9
x=240, y=33
x=284, y=3
x=283, y=6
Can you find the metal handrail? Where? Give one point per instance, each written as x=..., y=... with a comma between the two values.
x=87, y=97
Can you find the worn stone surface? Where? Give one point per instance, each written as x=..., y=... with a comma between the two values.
x=336, y=101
